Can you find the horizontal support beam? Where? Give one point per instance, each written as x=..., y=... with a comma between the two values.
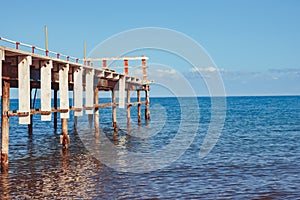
x=16, y=113
x=136, y=103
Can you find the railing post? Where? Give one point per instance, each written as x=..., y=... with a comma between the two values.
x=126, y=67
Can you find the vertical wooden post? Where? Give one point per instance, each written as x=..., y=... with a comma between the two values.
x=31, y=106
x=128, y=106
x=114, y=110
x=147, y=110
x=55, y=106
x=5, y=126
x=139, y=105
x=96, y=114
x=65, y=139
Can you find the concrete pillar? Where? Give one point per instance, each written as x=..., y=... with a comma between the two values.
x=46, y=67
x=24, y=63
x=5, y=126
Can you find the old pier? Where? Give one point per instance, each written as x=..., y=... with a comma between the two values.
x=28, y=68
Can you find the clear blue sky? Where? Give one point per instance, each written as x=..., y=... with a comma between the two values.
x=255, y=43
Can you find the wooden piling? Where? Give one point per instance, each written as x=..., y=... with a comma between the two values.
x=96, y=114
x=55, y=107
x=139, y=105
x=147, y=110
x=128, y=107
x=5, y=126
x=65, y=139
x=114, y=110
x=31, y=116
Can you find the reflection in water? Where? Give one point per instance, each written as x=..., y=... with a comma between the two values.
x=5, y=187
x=65, y=154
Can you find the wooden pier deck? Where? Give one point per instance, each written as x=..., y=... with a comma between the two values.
x=29, y=69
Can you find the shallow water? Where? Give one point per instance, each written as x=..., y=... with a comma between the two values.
x=256, y=156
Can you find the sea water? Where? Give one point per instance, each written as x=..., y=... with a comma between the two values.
x=257, y=154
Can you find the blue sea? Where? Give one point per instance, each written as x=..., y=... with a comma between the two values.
x=255, y=154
